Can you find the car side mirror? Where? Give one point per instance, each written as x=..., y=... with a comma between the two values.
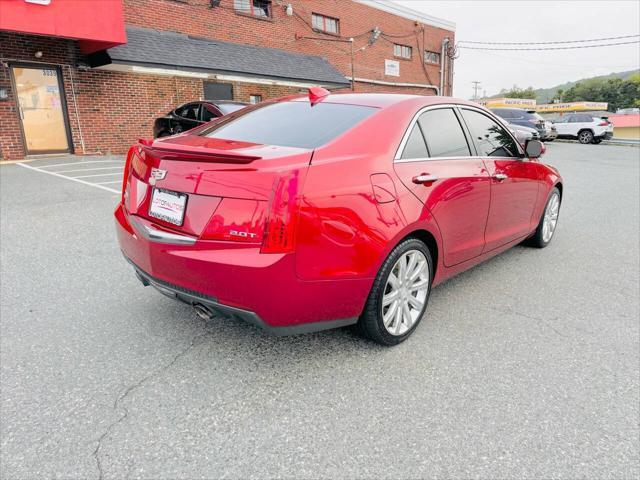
x=534, y=149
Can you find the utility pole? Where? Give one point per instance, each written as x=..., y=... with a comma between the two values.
x=476, y=86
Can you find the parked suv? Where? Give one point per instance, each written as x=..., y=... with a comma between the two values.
x=585, y=127
x=531, y=119
x=191, y=115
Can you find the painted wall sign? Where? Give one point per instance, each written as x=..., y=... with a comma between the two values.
x=392, y=68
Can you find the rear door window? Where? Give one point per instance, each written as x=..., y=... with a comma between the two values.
x=415, y=146
x=506, y=114
x=208, y=114
x=190, y=111
x=491, y=139
x=443, y=133
x=291, y=124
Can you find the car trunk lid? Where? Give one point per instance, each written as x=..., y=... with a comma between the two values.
x=219, y=189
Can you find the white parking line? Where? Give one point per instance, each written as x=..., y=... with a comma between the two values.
x=81, y=163
x=101, y=187
x=97, y=175
x=108, y=183
x=89, y=169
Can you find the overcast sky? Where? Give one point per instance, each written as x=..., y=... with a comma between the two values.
x=536, y=21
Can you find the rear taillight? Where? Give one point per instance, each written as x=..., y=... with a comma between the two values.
x=136, y=163
x=603, y=124
x=127, y=170
x=279, y=235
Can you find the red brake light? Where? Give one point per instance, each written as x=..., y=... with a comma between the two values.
x=127, y=171
x=603, y=124
x=139, y=166
x=279, y=236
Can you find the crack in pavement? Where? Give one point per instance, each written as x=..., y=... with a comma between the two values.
x=117, y=404
x=547, y=322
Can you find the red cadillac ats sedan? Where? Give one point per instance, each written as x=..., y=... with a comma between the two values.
x=324, y=210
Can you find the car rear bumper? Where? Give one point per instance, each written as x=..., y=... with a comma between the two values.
x=549, y=135
x=606, y=136
x=236, y=280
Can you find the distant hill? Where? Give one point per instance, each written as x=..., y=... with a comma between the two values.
x=544, y=95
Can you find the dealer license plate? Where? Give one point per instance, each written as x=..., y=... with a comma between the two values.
x=168, y=206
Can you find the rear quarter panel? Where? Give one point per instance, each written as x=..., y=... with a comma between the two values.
x=344, y=231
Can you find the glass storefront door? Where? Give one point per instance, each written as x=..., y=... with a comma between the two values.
x=41, y=108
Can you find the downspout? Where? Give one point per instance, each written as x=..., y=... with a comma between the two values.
x=451, y=59
x=443, y=57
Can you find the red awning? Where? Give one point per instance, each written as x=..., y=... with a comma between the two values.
x=96, y=24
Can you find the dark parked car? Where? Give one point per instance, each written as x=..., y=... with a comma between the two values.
x=524, y=118
x=192, y=114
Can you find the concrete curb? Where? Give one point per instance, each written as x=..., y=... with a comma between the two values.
x=626, y=143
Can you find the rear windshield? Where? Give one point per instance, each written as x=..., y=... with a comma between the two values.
x=291, y=124
x=227, y=108
x=531, y=116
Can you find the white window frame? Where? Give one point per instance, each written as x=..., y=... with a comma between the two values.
x=427, y=59
x=402, y=51
x=247, y=7
x=320, y=22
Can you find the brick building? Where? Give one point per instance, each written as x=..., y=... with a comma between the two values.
x=70, y=83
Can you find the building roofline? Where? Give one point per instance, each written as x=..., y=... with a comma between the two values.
x=401, y=11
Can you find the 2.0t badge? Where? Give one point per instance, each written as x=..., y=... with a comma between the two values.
x=156, y=174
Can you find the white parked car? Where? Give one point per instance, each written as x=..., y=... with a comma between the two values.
x=586, y=128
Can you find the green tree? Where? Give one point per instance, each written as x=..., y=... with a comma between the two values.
x=616, y=92
x=516, y=92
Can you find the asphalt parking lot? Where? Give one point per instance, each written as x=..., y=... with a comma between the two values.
x=526, y=366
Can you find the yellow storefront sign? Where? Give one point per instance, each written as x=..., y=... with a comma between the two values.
x=571, y=107
x=526, y=103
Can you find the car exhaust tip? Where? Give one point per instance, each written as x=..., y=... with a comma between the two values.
x=203, y=312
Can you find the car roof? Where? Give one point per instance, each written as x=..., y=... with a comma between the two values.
x=381, y=100
x=224, y=102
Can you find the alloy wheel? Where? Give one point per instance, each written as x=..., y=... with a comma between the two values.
x=585, y=137
x=551, y=217
x=405, y=292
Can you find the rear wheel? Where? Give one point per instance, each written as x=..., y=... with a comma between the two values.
x=585, y=136
x=547, y=226
x=399, y=296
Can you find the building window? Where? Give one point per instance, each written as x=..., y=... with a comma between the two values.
x=257, y=8
x=325, y=24
x=255, y=98
x=432, y=57
x=402, y=51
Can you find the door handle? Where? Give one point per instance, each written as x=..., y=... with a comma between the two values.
x=500, y=176
x=424, y=178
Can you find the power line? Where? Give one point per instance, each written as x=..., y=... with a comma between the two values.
x=551, y=43
x=550, y=48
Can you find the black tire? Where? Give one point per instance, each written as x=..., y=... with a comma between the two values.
x=538, y=240
x=370, y=324
x=549, y=140
x=596, y=141
x=585, y=136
